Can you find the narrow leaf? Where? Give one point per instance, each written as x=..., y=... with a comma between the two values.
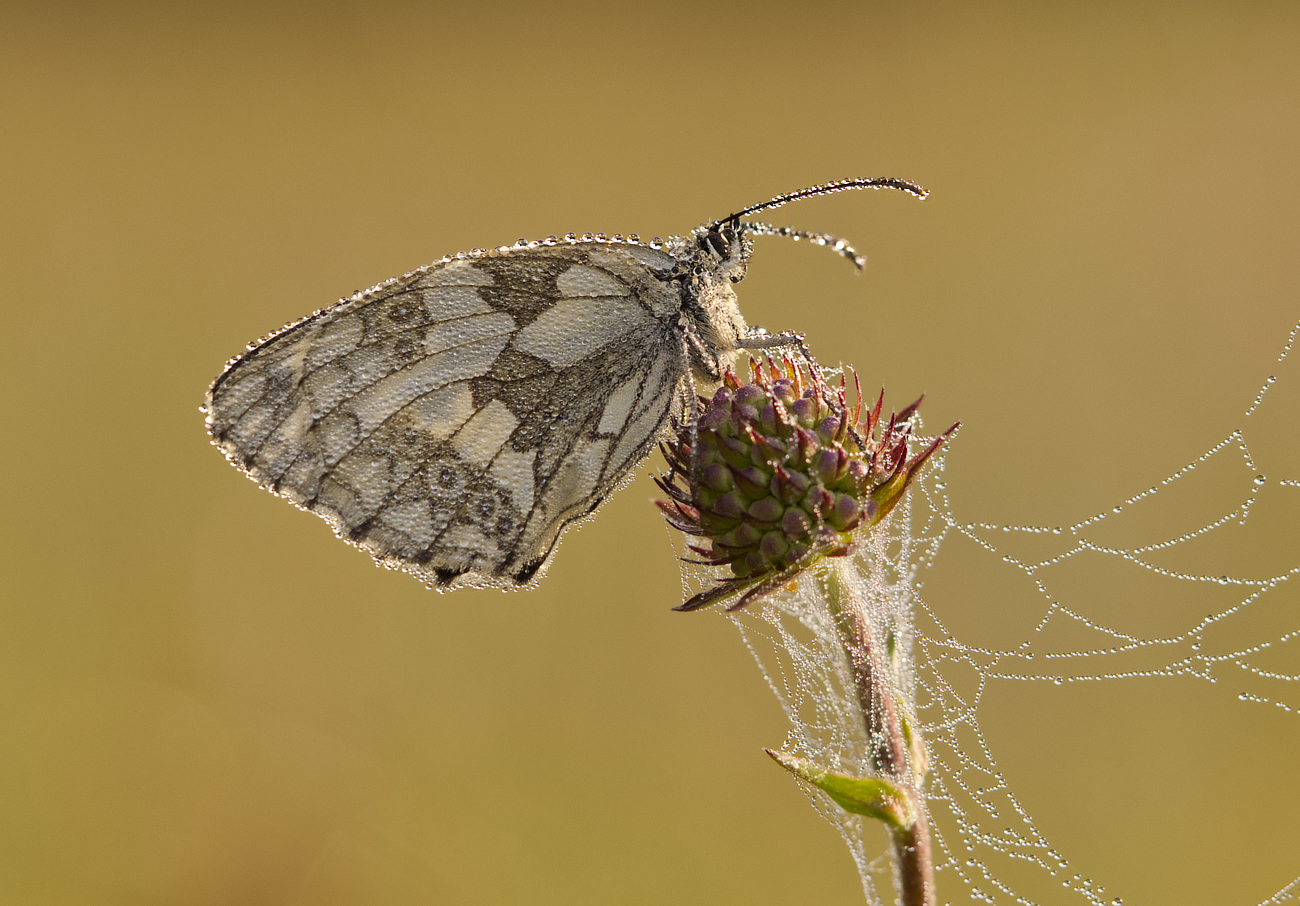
x=868, y=796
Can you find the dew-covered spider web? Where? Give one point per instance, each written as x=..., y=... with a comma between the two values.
x=1211, y=552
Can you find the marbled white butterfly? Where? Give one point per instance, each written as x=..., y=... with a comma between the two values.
x=453, y=421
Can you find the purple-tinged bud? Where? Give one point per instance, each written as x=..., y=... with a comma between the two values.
x=716, y=477
x=783, y=389
x=768, y=449
x=804, y=410
x=742, y=536
x=828, y=464
x=796, y=524
x=742, y=414
x=789, y=486
x=827, y=429
x=808, y=444
x=774, y=546
x=819, y=502
x=860, y=472
x=714, y=419
x=845, y=514
x=754, y=562
x=735, y=452
x=729, y=506
x=767, y=511
x=753, y=481
x=777, y=473
x=750, y=396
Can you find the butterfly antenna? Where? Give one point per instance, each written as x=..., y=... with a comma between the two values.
x=839, y=245
x=826, y=239
x=843, y=185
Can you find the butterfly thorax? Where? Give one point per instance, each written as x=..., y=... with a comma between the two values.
x=711, y=314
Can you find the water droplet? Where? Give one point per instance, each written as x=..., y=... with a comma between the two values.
x=1259, y=479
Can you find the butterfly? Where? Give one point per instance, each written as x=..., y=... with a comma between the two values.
x=453, y=421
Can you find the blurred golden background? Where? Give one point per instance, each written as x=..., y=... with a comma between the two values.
x=209, y=700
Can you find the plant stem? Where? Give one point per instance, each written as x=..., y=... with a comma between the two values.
x=887, y=730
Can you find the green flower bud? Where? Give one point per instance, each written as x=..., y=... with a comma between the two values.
x=766, y=510
x=752, y=481
x=717, y=477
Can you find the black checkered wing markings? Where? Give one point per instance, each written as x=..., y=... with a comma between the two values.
x=404, y=450
x=528, y=290
x=544, y=397
x=292, y=389
x=329, y=437
x=253, y=366
x=300, y=394
x=655, y=367
x=631, y=344
x=427, y=492
x=478, y=351
x=408, y=447
x=542, y=538
x=281, y=371
x=575, y=390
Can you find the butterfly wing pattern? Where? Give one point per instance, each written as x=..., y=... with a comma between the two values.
x=453, y=421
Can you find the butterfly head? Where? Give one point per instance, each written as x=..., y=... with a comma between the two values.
x=725, y=246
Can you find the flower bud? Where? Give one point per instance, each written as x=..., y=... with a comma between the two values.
x=778, y=473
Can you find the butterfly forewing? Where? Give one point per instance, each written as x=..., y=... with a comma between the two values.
x=454, y=420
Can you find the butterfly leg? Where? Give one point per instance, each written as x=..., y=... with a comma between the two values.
x=761, y=340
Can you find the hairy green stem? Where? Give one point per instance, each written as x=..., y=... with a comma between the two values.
x=891, y=732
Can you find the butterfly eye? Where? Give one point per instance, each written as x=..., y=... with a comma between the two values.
x=720, y=244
